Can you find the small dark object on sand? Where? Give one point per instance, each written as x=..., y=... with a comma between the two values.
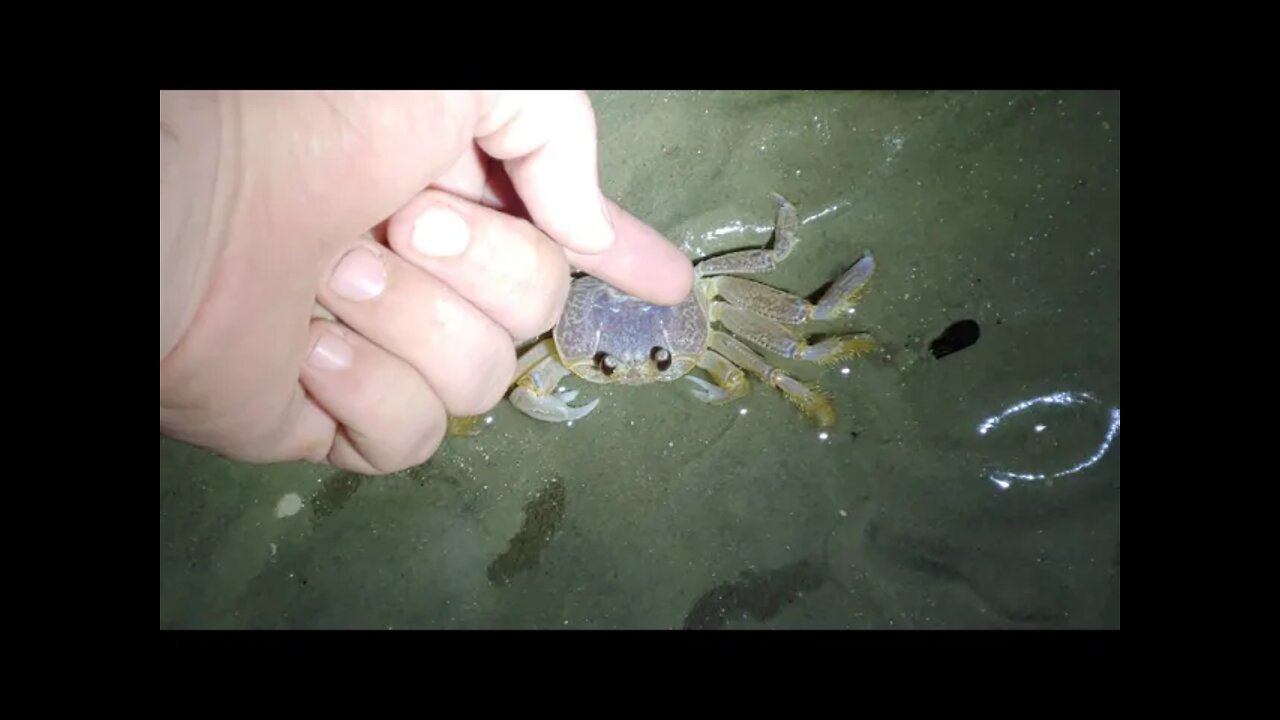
x=756, y=594
x=542, y=516
x=958, y=336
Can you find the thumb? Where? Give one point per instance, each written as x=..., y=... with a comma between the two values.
x=547, y=143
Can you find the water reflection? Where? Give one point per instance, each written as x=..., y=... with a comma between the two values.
x=696, y=245
x=1003, y=479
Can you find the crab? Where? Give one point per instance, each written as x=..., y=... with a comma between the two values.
x=606, y=336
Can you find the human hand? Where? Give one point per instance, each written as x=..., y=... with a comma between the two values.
x=403, y=215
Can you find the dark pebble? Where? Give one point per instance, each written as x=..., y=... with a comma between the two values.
x=958, y=336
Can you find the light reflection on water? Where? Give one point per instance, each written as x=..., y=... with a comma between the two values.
x=1004, y=479
x=696, y=245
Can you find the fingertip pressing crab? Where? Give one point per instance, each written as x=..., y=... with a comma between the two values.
x=606, y=336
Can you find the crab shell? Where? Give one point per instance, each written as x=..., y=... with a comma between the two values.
x=600, y=321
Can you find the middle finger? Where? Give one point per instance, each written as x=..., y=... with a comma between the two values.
x=504, y=265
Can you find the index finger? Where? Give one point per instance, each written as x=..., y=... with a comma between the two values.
x=641, y=262
x=547, y=142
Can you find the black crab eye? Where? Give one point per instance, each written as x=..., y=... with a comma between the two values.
x=662, y=357
x=605, y=362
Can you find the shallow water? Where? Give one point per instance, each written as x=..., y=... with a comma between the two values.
x=980, y=489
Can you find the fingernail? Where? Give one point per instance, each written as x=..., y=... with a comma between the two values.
x=331, y=353
x=440, y=233
x=359, y=276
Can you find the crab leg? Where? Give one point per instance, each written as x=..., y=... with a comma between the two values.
x=782, y=340
x=533, y=395
x=533, y=355
x=763, y=300
x=785, y=307
x=730, y=382
x=464, y=426
x=759, y=260
x=808, y=398
x=846, y=290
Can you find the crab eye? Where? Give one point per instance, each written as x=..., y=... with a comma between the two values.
x=662, y=357
x=606, y=363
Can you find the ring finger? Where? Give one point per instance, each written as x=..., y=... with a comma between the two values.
x=389, y=417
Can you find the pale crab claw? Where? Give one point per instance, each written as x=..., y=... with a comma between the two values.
x=553, y=408
x=705, y=391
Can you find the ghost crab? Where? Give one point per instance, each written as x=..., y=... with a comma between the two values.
x=606, y=336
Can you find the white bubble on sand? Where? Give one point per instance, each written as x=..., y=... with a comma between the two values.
x=288, y=505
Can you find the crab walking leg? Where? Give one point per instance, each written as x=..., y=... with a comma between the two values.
x=535, y=354
x=846, y=290
x=808, y=398
x=785, y=307
x=761, y=299
x=464, y=426
x=760, y=259
x=730, y=381
x=533, y=394
x=782, y=340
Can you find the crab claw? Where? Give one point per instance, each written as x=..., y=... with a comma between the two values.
x=705, y=391
x=714, y=394
x=553, y=408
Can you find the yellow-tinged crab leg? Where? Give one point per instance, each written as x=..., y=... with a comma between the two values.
x=846, y=290
x=540, y=373
x=760, y=259
x=761, y=299
x=730, y=381
x=778, y=338
x=785, y=307
x=808, y=398
x=533, y=355
x=465, y=426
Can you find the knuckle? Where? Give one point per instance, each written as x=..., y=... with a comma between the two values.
x=428, y=442
x=543, y=298
x=377, y=470
x=554, y=313
x=539, y=313
x=424, y=433
x=498, y=379
x=417, y=449
x=490, y=380
x=364, y=458
x=552, y=317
